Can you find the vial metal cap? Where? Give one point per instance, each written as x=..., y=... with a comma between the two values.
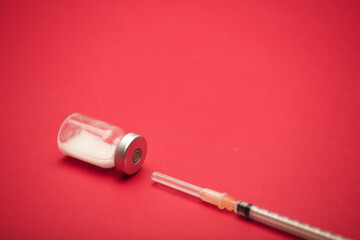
x=130, y=153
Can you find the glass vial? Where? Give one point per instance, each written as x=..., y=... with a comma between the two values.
x=101, y=144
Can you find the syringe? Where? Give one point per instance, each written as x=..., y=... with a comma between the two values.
x=247, y=210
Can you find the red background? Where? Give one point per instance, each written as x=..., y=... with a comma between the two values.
x=259, y=99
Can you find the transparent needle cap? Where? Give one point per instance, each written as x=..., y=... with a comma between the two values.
x=177, y=184
x=222, y=200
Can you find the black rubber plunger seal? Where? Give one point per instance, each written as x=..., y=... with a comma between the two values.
x=243, y=208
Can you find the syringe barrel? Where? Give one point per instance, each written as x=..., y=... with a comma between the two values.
x=285, y=224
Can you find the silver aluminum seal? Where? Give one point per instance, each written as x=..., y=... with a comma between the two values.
x=130, y=153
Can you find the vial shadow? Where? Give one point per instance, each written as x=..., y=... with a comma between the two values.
x=94, y=170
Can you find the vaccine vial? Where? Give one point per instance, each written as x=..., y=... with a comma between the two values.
x=101, y=144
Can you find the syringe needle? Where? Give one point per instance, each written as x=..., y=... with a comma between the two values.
x=247, y=210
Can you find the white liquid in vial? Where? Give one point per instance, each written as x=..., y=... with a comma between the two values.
x=90, y=148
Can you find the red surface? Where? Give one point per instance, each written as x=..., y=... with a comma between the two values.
x=257, y=99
